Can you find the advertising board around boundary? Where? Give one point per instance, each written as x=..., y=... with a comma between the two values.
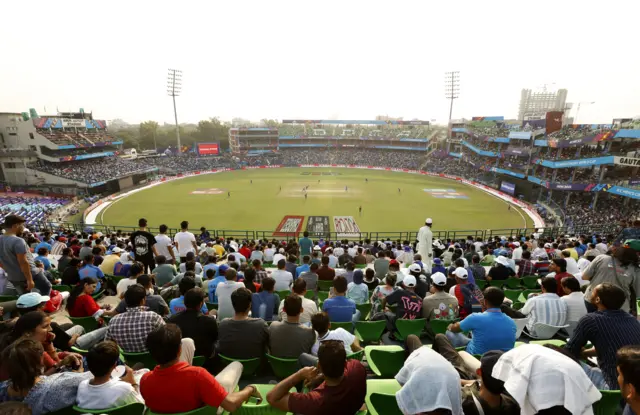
x=346, y=227
x=318, y=226
x=288, y=225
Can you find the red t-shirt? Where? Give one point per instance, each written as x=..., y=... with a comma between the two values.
x=180, y=388
x=346, y=398
x=85, y=306
x=246, y=252
x=559, y=276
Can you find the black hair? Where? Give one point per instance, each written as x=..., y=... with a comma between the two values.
x=526, y=254
x=185, y=284
x=161, y=259
x=136, y=268
x=102, y=357
x=42, y=251
x=306, y=259
x=549, y=284
x=281, y=264
x=184, y=224
x=78, y=289
x=134, y=295
x=299, y=286
x=241, y=300
x=320, y=322
x=494, y=296
x=249, y=277
x=293, y=305
x=571, y=283
x=164, y=343
x=163, y=228
x=268, y=284
x=628, y=362
x=193, y=298
x=210, y=273
x=611, y=296
x=340, y=284
x=332, y=358
x=562, y=263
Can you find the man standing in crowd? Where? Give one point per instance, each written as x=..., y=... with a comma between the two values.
x=306, y=244
x=425, y=241
x=144, y=245
x=185, y=241
x=164, y=246
x=17, y=261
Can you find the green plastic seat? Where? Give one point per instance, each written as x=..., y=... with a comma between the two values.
x=6, y=298
x=370, y=331
x=380, y=386
x=323, y=295
x=365, y=309
x=283, y=368
x=481, y=284
x=115, y=278
x=487, y=263
x=267, y=264
x=348, y=326
x=144, y=358
x=310, y=294
x=106, y=320
x=530, y=282
x=263, y=408
x=79, y=350
x=324, y=285
x=130, y=409
x=205, y=410
x=512, y=283
x=357, y=355
x=608, y=404
x=517, y=305
x=198, y=361
x=69, y=410
x=283, y=294
x=211, y=306
x=249, y=366
x=555, y=342
x=406, y=327
x=88, y=323
x=360, y=266
x=61, y=288
x=526, y=293
x=512, y=295
x=383, y=404
x=385, y=361
x=440, y=326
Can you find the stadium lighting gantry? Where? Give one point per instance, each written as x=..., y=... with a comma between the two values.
x=174, y=87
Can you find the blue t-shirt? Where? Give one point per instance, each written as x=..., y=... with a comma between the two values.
x=177, y=305
x=45, y=261
x=207, y=267
x=492, y=330
x=340, y=309
x=305, y=246
x=213, y=284
x=302, y=268
x=121, y=270
x=91, y=271
x=43, y=244
x=262, y=305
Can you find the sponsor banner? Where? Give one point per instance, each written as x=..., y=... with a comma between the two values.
x=554, y=121
x=508, y=188
x=87, y=156
x=497, y=140
x=628, y=133
x=522, y=152
x=582, y=187
x=288, y=225
x=372, y=122
x=459, y=130
x=495, y=118
x=588, y=162
x=66, y=123
x=540, y=182
x=346, y=227
x=534, y=124
x=621, y=191
x=626, y=161
x=212, y=191
x=206, y=149
x=508, y=172
x=272, y=166
x=520, y=135
x=541, y=143
x=446, y=194
x=318, y=226
x=634, y=182
x=477, y=150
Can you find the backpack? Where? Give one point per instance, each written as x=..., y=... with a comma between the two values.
x=467, y=294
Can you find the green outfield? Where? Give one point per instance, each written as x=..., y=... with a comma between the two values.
x=276, y=193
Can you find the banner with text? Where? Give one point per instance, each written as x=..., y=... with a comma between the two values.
x=346, y=227
x=626, y=161
x=318, y=226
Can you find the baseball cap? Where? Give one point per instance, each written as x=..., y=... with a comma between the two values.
x=502, y=260
x=317, y=248
x=223, y=268
x=11, y=220
x=548, y=245
x=461, y=273
x=437, y=261
x=393, y=262
x=407, y=248
x=31, y=300
x=428, y=221
x=116, y=250
x=409, y=281
x=415, y=268
x=281, y=250
x=439, y=279
x=516, y=244
x=62, y=239
x=633, y=244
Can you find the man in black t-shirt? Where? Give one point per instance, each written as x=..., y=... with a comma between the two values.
x=144, y=246
x=501, y=271
x=409, y=304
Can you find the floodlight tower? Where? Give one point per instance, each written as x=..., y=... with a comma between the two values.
x=451, y=88
x=174, y=87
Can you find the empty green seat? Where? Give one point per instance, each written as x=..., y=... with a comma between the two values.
x=526, y=293
x=380, y=386
x=440, y=326
x=249, y=366
x=530, y=281
x=481, y=283
x=405, y=327
x=129, y=409
x=310, y=294
x=365, y=309
x=512, y=295
x=97, y=295
x=383, y=404
x=252, y=407
x=357, y=355
x=370, y=331
x=283, y=368
x=517, y=305
x=324, y=285
x=106, y=320
x=512, y=282
x=144, y=358
x=88, y=323
x=360, y=266
x=283, y=294
x=385, y=361
x=323, y=295
x=608, y=404
x=348, y=325
x=115, y=278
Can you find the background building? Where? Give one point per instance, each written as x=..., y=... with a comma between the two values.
x=535, y=104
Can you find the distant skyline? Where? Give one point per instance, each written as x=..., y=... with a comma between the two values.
x=316, y=59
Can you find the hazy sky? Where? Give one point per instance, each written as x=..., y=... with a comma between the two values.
x=316, y=59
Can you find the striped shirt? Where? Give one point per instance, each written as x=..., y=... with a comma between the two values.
x=545, y=308
x=575, y=306
x=608, y=331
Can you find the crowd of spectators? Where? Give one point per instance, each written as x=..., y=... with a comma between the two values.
x=466, y=298
x=385, y=158
x=91, y=170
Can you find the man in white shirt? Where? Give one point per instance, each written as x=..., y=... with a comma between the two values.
x=545, y=308
x=333, y=260
x=338, y=251
x=572, y=265
x=309, y=307
x=283, y=278
x=353, y=250
x=269, y=252
x=539, y=253
x=223, y=292
x=425, y=243
x=517, y=252
x=280, y=255
x=185, y=241
x=478, y=244
x=574, y=299
x=190, y=257
x=321, y=324
x=104, y=391
x=164, y=246
x=601, y=246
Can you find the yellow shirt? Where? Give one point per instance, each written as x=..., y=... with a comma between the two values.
x=219, y=249
x=108, y=264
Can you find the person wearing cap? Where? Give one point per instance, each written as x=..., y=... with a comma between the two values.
x=491, y=329
x=438, y=266
x=501, y=270
x=18, y=262
x=280, y=255
x=465, y=292
x=409, y=304
x=422, y=286
x=109, y=261
x=545, y=308
x=425, y=242
x=517, y=251
x=439, y=305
